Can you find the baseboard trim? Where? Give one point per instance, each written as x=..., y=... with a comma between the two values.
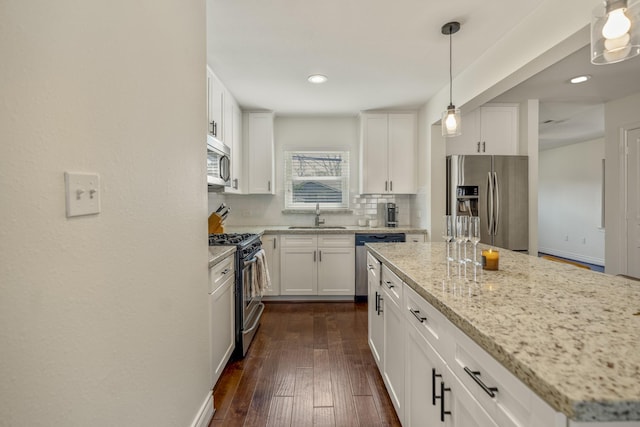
x=205, y=414
x=572, y=256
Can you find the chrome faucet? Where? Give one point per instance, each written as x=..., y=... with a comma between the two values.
x=318, y=220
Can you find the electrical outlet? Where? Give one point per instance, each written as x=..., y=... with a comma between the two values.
x=82, y=193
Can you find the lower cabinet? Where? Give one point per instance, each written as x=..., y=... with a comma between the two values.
x=374, y=309
x=434, y=394
x=271, y=246
x=435, y=374
x=321, y=264
x=393, y=361
x=221, y=315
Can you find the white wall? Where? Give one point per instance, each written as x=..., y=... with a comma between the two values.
x=619, y=115
x=570, y=201
x=309, y=133
x=103, y=318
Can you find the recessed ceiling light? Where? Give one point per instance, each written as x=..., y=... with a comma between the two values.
x=580, y=79
x=317, y=78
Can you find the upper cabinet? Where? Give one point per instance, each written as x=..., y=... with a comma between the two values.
x=491, y=129
x=238, y=183
x=215, y=105
x=260, y=153
x=388, y=153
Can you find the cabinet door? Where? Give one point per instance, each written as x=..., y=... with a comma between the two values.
x=272, y=251
x=469, y=141
x=424, y=371
x=237, y=179
x=336, y=271
x=402, y=154
x=222, y=326
x=298, y=265
x=465, y=411
x=260, y=154
x=499, y=130
x=394, y=353
x=216, y=105
x=374, y=167
x=375, y=313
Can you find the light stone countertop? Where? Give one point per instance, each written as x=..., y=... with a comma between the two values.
x=218, y=253
x=572, y=335
x=325, y=229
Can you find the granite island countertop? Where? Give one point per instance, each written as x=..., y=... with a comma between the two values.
x=570, y=334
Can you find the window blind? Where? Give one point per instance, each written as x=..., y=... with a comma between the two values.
x=313, y=177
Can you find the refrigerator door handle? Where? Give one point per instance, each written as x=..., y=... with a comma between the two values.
x=489, y=204
x=497, y=201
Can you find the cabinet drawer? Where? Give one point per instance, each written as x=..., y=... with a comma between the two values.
x=220, y=272
x=336, y=240
x=392, y=286
x=431, y=324
x=299, y=240
x=511, y=405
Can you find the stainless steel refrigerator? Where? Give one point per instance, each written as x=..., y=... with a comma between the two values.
x=495, y=188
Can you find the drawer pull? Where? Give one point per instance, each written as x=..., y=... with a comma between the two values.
x=416, y=314
x=491, y=391
x=442, y=411
x=225, y=271
x=389, y=285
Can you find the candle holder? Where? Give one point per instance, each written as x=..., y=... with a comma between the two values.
x=490, y=259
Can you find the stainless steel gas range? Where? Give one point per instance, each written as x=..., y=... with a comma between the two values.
x=248, y=308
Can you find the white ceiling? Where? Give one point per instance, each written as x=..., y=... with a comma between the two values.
x=377, y=54
x=571, y=113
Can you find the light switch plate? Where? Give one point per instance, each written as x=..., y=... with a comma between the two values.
x=82, y=193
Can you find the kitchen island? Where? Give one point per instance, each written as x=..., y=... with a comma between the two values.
x=570, y=335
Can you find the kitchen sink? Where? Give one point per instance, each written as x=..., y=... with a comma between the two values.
x=319, y=227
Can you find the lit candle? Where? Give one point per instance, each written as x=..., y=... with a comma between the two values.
x=490, y=259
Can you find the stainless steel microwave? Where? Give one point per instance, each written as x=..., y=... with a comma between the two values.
x=218, y=164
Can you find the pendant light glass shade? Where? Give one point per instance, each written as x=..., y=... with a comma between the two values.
x=615, y=31
x=451, y=120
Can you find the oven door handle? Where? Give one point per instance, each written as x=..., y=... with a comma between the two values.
x=251, y=261
x=255, y=323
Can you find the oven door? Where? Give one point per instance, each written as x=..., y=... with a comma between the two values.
x=252, y=307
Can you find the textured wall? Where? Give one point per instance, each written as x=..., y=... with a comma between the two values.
x=103, y=318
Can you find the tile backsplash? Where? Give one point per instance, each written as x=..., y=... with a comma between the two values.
x=268, y=210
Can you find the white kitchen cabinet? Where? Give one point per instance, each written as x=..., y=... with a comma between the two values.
x=490, y=129
x=271, y=246
x=260, y=153
x=221, y=314
x=388, y=153
x=321, y=264
x=393, y=359
x=415, y=238
x=237, y=164
x=215, y=105
x=374, y=310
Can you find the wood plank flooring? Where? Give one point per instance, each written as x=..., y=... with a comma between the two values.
x=309, y=365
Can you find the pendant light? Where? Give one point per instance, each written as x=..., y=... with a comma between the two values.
x=451, y=120
x=615, y=31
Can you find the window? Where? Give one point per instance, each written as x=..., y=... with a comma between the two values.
x=316, y=177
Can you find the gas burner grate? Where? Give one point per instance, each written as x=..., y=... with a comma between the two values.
x=230, y=238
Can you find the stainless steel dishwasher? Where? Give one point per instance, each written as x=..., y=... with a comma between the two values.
x=361, y=257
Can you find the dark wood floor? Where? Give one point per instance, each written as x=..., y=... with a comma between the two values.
x=309, y=365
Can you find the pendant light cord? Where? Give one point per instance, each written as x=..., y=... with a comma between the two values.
x=450, y=71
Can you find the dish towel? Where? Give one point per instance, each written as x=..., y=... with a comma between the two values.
x=261, y=280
